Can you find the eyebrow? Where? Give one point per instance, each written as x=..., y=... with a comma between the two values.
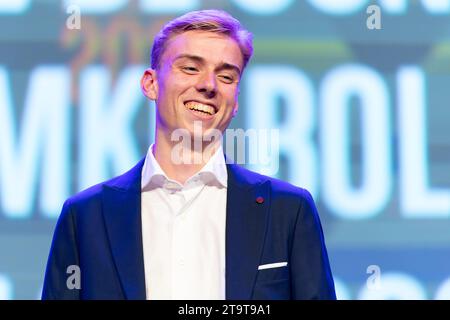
x=223, y=66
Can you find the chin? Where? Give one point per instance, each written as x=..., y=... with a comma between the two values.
x=206, y=136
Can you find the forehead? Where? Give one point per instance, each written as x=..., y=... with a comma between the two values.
x=212, y=47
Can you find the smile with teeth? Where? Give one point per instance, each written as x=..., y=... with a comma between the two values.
x=197, y=106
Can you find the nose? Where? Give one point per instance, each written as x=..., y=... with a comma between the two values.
x=207, y=85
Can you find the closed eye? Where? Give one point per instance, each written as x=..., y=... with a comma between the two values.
x=189, y=69
x=227, y=79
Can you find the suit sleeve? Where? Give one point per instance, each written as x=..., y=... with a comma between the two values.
x=63, y=265
x=310, y=269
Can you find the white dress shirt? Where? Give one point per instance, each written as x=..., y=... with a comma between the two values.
x=183, y=231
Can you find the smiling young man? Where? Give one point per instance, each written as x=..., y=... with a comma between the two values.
x=194, y=80
x=199, y=228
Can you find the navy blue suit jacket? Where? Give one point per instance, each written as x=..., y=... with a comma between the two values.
x=99, y=230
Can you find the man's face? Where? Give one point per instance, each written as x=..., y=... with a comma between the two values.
x=197, y=80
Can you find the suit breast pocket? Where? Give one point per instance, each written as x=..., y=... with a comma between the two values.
x=273, y=274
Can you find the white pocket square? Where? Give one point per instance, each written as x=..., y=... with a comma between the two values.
x=272, y=265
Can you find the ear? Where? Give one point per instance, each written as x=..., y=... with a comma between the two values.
x=235, y=109
x=149, y=84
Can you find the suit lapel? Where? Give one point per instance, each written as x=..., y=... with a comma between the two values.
x=122, y=213
x=245, y=231
x=246, y=222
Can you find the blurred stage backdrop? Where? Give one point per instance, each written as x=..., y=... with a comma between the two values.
x=362, y=108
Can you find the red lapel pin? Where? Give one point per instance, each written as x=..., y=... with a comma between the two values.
x=260, y=200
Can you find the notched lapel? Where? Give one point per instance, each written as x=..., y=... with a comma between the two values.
x=245, y=232
x=122, y=213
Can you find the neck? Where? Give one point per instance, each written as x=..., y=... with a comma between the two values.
x=180, y=160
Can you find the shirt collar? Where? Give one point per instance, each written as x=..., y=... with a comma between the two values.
x=214, y=171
